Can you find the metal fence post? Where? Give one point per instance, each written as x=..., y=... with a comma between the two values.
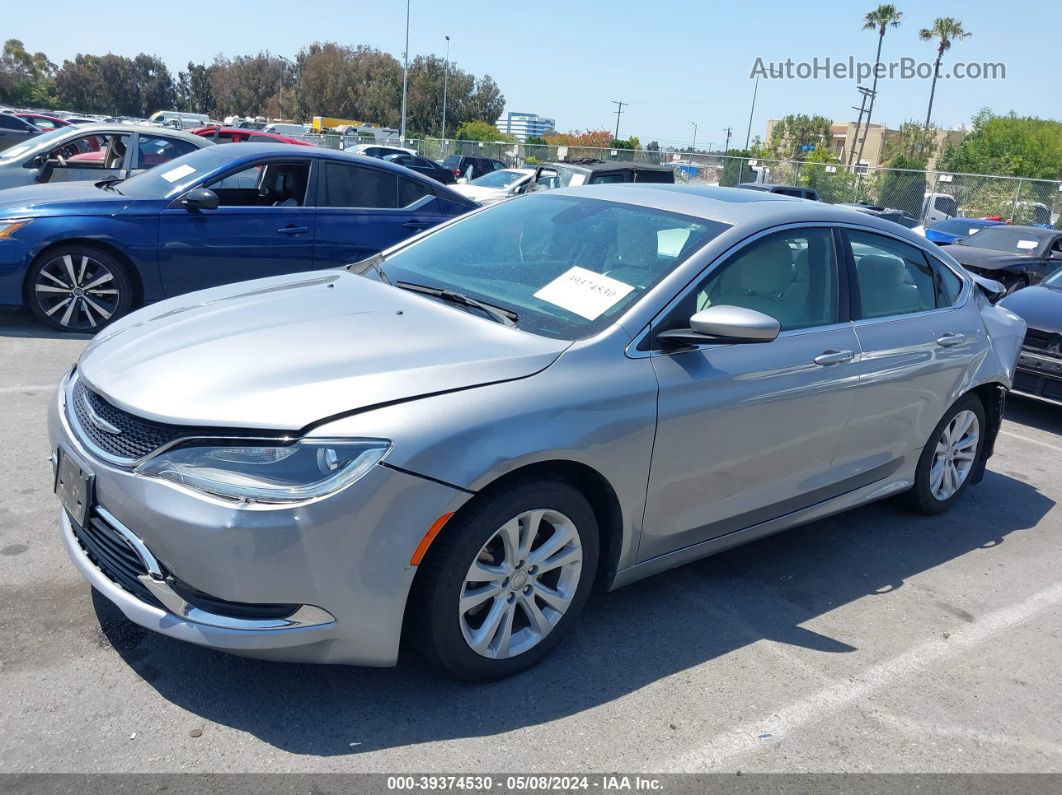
x=1014, y=207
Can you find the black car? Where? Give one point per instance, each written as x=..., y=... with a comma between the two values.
x=783, y=190
x=459, y=166
x=14, y=130
x=888, y=213
x=1017, y=256
x=570, y=173
x=422, y=165
x=1040, y=363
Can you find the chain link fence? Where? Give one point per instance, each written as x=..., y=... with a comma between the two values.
x=924, y=196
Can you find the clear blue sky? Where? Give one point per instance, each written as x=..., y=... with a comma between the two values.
x=673, y=61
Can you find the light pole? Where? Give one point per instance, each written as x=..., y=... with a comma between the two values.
x=405, y=78
x=618, y=111
x=694, y=147
x=446, y=77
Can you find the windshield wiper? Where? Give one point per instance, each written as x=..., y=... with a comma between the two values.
x=109, y=183
x=373, y=262
x=504, y=316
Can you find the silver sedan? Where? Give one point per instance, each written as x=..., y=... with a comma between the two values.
x=452, y=442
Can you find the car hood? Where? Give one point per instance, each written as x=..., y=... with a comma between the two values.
x=985, y=257
x=285, y=352
x=82, y=198
x=1040, y=307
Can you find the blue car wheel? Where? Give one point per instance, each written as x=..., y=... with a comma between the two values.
x=78, y=288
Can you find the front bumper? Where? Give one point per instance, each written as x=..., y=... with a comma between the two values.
x=343, y=561
x=1039, y=376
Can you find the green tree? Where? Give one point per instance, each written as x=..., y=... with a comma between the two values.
x=903, y=185
x=482, y=131
x=193, y=89
x=913, y=142
x=797, y=135
x=880, y=19
x=26, y=78
x=945, y=30
x=736, y=168
x=1010, y=145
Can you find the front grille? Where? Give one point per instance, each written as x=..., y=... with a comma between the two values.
x=1042, y=342
x=113, y=556
x=137, y=438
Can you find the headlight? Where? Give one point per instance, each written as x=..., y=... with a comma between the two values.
x=9, y=227
x=303, y=470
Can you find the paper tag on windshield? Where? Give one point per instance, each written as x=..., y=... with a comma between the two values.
x=175, y=174
x=584, y=292
x=973, y=230
x=1028, y=245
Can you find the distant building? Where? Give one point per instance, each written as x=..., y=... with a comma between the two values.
x=525, y=125
x=878, y=136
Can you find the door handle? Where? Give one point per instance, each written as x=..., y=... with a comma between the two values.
x=293, y=230
x=833, y=357
x=950, y=340
x=417, y=224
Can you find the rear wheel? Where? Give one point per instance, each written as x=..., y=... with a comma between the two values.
x=949, y=457
x=78, y=288
x=507, y=580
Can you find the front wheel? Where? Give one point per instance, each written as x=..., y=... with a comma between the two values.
x=950, y=455
x=78, y=288
x=506, y=580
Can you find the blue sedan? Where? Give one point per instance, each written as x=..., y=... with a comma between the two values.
x=82, y=254
x=955, y=229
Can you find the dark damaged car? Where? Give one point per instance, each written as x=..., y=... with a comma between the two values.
x=1040, y=363
x=1016, y=256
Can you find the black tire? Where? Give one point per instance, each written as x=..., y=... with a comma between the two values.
x=62, y=302
x=435, y=625
x=920, y=497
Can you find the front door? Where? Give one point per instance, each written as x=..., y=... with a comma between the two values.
x=262, y=227
x=747, y=432
x=90, y=157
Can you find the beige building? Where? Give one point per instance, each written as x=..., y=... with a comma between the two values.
x=878, y=137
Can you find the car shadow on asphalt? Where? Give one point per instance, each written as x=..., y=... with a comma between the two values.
x=20, y=323
x=624, y=641
x=1035, y=413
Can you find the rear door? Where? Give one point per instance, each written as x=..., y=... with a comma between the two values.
x=264, y=226
x=362, y=210
x=918, y=345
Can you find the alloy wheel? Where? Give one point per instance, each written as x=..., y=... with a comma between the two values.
x=520, y=584
x=77, y=291
x=954, y=455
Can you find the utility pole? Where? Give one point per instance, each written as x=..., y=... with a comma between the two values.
x=866, y=92
x=694, y=147
x=446, y=77
x=748, y=133
x=618, y=111
x=726, y=147
x=405, y=77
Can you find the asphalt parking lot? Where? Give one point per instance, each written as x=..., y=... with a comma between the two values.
x=874, y=641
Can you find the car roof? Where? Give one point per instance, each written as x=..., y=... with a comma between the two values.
x=89, y=129
x=609, y=165
x=730, y=205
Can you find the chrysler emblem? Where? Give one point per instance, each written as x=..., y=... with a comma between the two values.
x=96, y=419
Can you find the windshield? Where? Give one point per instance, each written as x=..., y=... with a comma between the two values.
x=175, y=176
x=497, y=179
x=1054, y=280
x=567, y=265
x=1013, y=240
x=960, y=226
x=38, y=142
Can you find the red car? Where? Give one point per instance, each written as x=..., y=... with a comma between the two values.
x=232, y=135
x=43, y=122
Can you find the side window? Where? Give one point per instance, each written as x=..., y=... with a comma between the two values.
x=790, y=276
x=948, y=284
x=410, y=191
x=605, y=179
x=894, y=278
x=9, y=122
x=356, y=186
x=264, y=185
x=154, y=150
x=93, y=151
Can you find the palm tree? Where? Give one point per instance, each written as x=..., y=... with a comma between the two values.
x=946, y=30
x=883, y=17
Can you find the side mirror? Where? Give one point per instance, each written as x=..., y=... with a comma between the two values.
x=724, y=324
x=200, y=199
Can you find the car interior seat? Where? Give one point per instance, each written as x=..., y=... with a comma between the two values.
x=636, y=259
x=883, y=286
x=764, y=274
x=115, y=154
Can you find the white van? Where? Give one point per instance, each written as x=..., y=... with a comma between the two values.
x=937, y=207
x=286, y=129
x=179, y=119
